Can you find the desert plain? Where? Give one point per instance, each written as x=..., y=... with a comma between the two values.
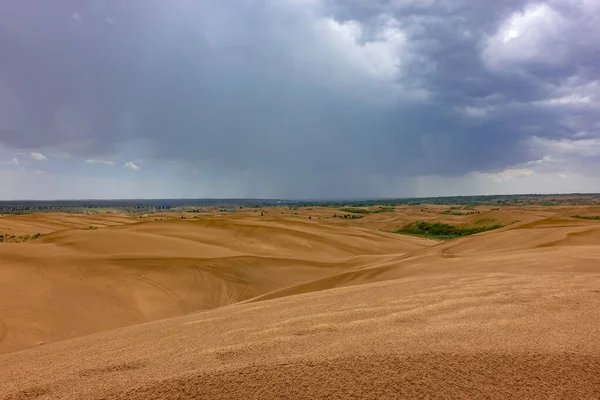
x=301, y=303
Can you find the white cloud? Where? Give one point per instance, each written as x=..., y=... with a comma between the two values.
x=573, y=91
x=564, y=156
x=31, y=185
x=476, y=112
x=535, y=34
x=572, y=99
x=517, y=180
x=510, y=174
x=13, y=161
x=75, y=16
x=39, y=171
x=378, y=58
x=368, y=58
x=105, y=162
x=562, y=148
x=38, y=156
x=131, y=165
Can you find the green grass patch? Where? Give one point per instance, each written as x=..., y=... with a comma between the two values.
x=594, y=217
x=452, y=212
x=384, y=210
x=348, y=216
x=355, y=210
x=441, y=231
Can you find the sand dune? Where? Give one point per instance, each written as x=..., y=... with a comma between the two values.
x=285, y=307
x=51, y=222
x=80, y=281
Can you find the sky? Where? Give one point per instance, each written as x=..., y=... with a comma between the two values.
x=298, y=99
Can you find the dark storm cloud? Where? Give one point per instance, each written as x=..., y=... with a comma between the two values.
x=304, y=90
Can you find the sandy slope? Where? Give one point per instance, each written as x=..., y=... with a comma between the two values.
x=51, y=222
x=330, y=311
x=78, y=281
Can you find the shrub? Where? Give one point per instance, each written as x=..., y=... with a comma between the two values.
x=594, y=217
x=347, y=216
x=451, y=212
x=6, y=238
x=442, y=231
x=355, y=210
x=385, y=209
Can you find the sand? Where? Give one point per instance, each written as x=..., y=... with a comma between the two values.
x=235, y=305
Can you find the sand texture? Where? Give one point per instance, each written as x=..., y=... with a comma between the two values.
x=238, y=305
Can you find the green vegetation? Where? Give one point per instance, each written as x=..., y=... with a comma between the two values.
x=6, y=238
x=454, y=210
x=594, y=217
x=385, y=210
x=470, y=201
x=451, y=212
x=347, y=216
x=355, y=210
x=442, y=231
x=136, y=207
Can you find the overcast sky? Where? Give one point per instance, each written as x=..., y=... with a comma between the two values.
x=298, y=98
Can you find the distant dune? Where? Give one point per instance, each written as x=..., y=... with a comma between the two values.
x=239, y=305
x=78, y=281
